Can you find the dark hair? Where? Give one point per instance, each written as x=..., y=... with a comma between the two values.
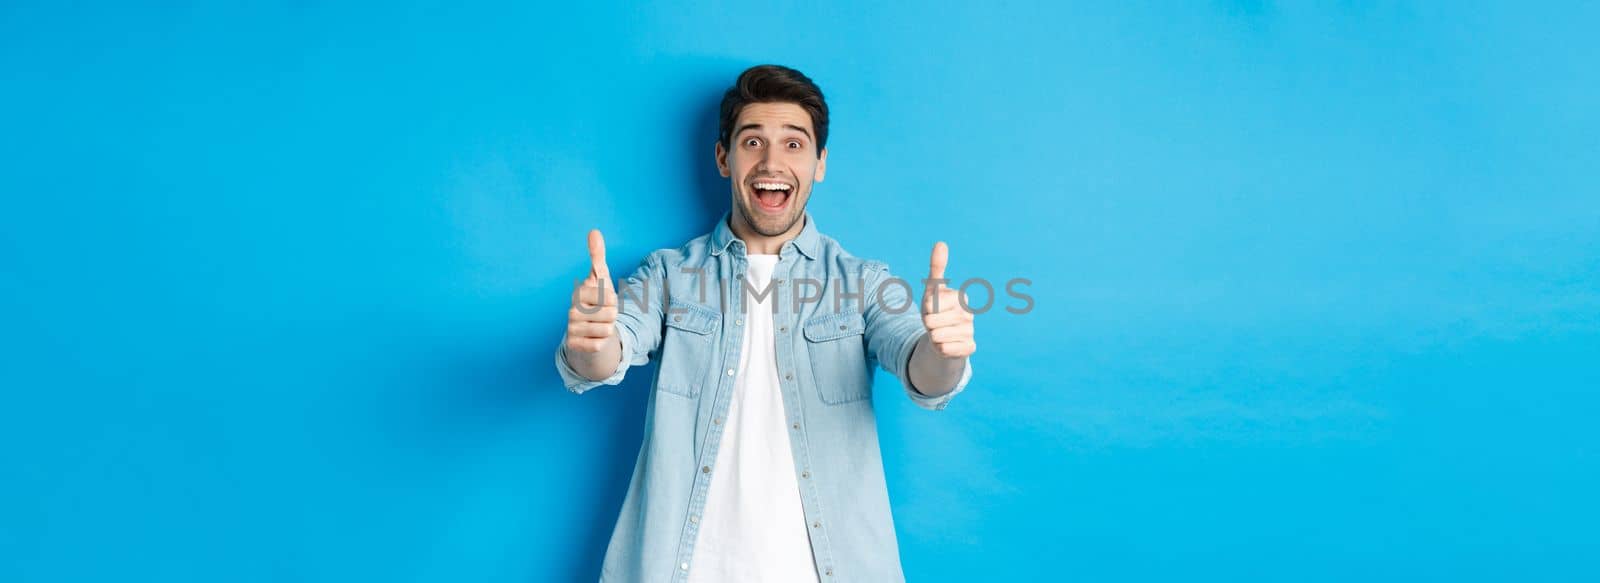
x=773, y=84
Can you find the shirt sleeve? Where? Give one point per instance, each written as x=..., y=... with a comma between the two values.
x=638, y=325
x=894, y=326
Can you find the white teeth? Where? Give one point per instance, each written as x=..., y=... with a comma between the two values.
x=771, y=186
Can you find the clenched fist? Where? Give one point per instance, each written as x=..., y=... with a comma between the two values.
x=947, y=320
x=591, y=323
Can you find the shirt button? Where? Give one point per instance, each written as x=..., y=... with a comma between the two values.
x=806, y=475
x=694, y=519
x=677, y=318
x=683, y=566
x=717, y=421
x=788, y=376
x=783, y=328
x=730, y=372
x=705, y=469
x=816, y=525
x=841, y=326
x=739, y=322
x=828, y=571
x=797, y=425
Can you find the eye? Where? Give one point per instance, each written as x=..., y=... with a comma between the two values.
x=794, y=145
x=752, y=142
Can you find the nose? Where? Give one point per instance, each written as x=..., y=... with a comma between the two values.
x=765, y=161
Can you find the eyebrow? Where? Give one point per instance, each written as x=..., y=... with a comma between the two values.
x=755, y=126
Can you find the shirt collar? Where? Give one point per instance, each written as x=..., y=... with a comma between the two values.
x=806, y=242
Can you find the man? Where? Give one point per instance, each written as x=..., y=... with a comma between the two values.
x=760, y=459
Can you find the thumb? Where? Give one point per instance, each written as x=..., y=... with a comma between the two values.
x=597, y=255
x=936, y=263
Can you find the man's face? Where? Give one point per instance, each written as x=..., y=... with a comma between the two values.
x=772, y=163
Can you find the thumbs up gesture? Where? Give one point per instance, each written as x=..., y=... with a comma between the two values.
x=948, y=322
x=591, y=323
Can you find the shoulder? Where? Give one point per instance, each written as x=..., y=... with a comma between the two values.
x=837, y=259
x=693, y=252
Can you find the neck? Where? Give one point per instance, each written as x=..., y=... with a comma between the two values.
x=758, y=244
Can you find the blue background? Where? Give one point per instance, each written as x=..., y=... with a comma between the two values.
x=1318, y=288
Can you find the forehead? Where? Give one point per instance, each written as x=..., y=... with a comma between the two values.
x=773, y=116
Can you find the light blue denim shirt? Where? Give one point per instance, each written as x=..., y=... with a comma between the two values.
x=835, y=317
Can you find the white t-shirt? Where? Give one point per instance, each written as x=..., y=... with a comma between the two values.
x=753, y=527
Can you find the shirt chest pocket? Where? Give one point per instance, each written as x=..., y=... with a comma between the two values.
x=837, y=350
x=688, y=350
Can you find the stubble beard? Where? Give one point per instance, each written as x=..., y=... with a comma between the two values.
x=771, y=226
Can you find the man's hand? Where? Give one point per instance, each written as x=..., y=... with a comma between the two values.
x=940, y=357
x=593, y=348
x=947, y=320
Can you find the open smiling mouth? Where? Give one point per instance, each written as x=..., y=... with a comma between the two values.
x=771, y=196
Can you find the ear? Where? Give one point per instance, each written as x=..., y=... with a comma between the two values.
x=822, y=167
x=722, y=160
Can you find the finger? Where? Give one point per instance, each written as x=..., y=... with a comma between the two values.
x=593, y=293
x=603, y=292
x=583, y=313
x=590, y=330
x=943, y=319
x=957, y=349
x=941, y=300
x=587, y=344
x=592, y=311
x=584, y=288
x=597, y=255
x=936, y=263
x=950, y=334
